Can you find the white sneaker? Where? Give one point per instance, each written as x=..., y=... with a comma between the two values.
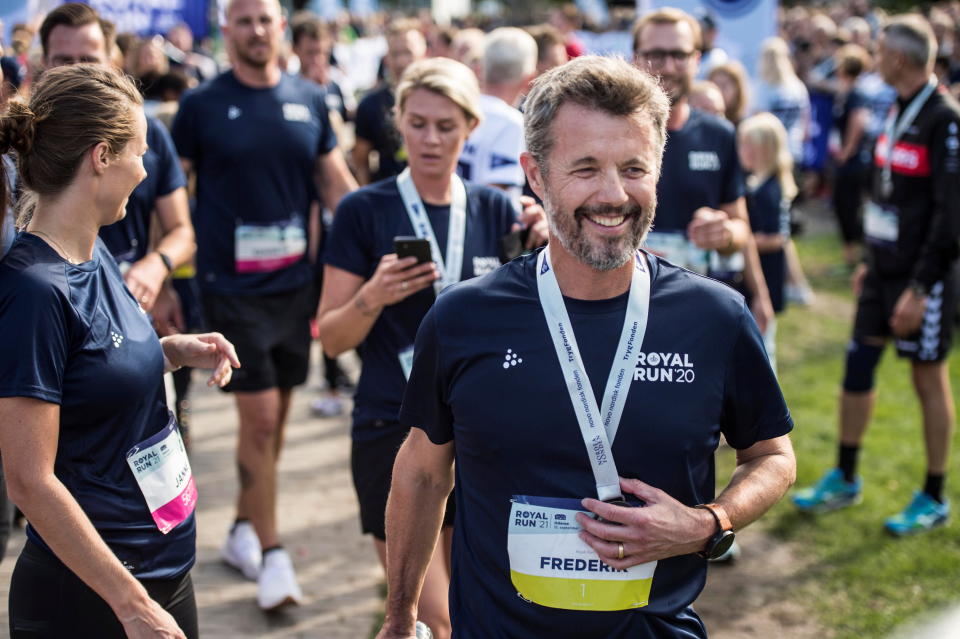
x=277, y=585
x=242, y=550
x=327, y=406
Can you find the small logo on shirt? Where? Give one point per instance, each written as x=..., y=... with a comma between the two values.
x=703, y=161
x=664, y=367
x=296, y=112
x=117, y=339
x=511, y=359
x=233, y=112
x=498, y=161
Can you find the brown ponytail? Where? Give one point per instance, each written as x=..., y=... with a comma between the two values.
x=71, y=109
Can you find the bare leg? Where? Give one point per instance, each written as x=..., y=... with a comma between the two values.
x=932, y=383
x=261, y=427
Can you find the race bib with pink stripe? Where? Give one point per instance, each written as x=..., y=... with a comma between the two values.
x=162, y=470
x=268, y=248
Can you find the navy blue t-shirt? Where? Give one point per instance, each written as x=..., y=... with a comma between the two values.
x=128, y=239
x=363, y=230
x=700, y=168
x=76, y=337
x=376, y=125
x=254, y=151
x=770, y=213
x=703, y=372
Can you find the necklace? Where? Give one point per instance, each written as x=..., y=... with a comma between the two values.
x=57, y=244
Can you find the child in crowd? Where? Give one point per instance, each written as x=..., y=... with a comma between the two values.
x=766, y=159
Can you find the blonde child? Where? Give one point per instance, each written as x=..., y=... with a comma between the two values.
x=766, y=159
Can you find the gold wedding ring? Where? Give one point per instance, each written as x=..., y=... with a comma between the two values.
x=619, y=550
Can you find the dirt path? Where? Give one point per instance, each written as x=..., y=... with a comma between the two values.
x=338, y=571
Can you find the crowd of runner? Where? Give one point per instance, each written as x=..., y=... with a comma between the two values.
x=166, y=208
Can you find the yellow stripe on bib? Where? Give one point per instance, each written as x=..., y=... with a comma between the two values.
x=582, y=594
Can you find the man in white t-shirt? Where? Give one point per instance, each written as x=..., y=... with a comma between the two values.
x=491, y=155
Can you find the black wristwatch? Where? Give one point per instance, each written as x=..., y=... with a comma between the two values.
x=166, y=261
x=723, y=538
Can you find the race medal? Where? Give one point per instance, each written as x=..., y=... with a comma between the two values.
x=264, y=248
x=162, y=470
x=551, y=566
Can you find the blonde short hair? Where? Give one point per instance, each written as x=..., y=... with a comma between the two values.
x=446, y=77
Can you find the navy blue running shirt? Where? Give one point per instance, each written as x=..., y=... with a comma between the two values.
x=76, y=337
x=700, y=168
x=254, y=151
x=702, y=372
x=363, y=229
x=129, y=239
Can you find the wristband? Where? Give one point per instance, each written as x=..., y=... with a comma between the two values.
x=167, y=262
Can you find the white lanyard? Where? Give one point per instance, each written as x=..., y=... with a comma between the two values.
x=451, y=267
x=894, y=130
x=596, y=436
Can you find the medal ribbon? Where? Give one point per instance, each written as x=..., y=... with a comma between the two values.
x=894, y=130
x=598, y=429
x=450, y=268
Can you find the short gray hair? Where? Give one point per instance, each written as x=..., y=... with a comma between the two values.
x=509, y=56
x=607, y=84
x=911, y=35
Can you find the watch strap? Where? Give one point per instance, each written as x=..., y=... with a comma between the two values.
x=719, y=514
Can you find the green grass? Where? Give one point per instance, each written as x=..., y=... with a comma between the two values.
x=862, y=582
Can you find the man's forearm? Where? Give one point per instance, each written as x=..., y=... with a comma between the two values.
x=756, y=485
x=414, y=516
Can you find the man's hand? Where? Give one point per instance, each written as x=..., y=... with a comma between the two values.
x=150, y=621
x=390, y=632
x=663, y=528
x=207, y=350
x=534, y=218
x=908, y=313
x=710, y=230
x=145, y=279
x=168, y=312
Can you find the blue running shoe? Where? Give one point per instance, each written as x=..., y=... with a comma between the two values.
x=832, y=492
x=924, y=513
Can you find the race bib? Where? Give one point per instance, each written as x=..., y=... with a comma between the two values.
x=162, y=470
x=676, y=248
x=551, y=566
x=264, y=248
x=881, y=224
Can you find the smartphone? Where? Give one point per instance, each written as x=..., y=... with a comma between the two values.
x=513, y=245
x=407, y=246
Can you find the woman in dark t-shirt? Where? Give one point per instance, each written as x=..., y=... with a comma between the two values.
x=90, y=451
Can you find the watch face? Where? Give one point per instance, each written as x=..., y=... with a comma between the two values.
x=723, y=544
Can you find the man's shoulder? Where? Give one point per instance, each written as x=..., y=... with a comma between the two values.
x=500, y=112
x=704, y=123
x=375, y=97
x=944, y=107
